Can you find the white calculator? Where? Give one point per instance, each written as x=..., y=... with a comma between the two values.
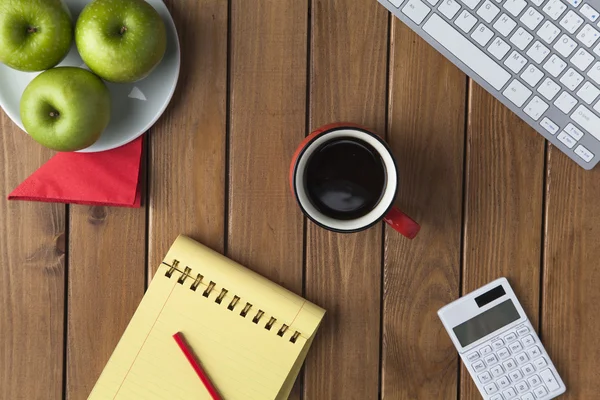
x=499, y=346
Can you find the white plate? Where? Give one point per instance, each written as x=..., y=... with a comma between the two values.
x=135, y=106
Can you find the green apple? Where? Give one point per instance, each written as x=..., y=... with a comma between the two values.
x=66, y=108
x=120, y=40
x=34, y=34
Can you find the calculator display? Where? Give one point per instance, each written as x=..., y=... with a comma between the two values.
x=485, y=323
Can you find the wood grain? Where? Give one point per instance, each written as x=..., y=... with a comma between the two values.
x=269, y=43
x=569, y=321
x=107, y=261
x=343, y=271
x=32, y=277
x=503, y=209
x=187, y=146
x=427, y=136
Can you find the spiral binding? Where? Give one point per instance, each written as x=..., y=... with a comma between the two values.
x=233, y=304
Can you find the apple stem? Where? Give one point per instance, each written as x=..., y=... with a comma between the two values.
x=31, y=29
x=123, y=30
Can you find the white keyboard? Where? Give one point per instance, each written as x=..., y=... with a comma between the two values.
x=541, y=58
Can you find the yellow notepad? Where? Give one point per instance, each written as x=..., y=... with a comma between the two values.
x=205, y=296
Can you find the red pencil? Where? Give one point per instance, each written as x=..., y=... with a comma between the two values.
x=187, y=351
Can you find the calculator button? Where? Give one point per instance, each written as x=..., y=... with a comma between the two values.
x=522, y=358
x=478, y=366
x=485, y=350
x=527, y=396
x=534, y=381
x=485, y=377
x=473, y=356
x=540, y=391
x=498, y=344
x=503, y=382
x=516, y=347
x=491, y=388
x=497, y=370
x=549, y=379
x=528, y=340
x=516, y=375
x=497, y=397
x=503, y=353
x=540, y=363
x=510, y=337
x=522, y=330
x=528, y=369
x=491, y=359
x=534, y=352
x=509, y=364
x=510, y=393
x=522, y=387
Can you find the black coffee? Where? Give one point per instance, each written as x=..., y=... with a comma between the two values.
x=345, y=178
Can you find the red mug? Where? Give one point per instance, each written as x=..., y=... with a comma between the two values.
x=383, y=210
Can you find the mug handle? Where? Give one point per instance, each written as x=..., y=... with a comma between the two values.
x=402, y=223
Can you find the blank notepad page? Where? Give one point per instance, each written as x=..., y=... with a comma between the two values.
x=250, y=335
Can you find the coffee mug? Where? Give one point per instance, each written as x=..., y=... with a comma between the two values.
x=345, y=179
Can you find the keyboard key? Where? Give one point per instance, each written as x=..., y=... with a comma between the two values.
x=594, y=73
x=577, y=135
x=515, y=6
x=491, y=359
x=515, y=62
x=571, y=22
x=497, y=371
x=549, y=89
x=565, y=102
x=548, y=32
x=527, y=396
x=503, y=382
x=588, y=12
x=538, y=52
x=473, y=356
x=517, y=93
x=503, y=353
x=540, y=391
x=471, y=3
x=588, y=35
x=555, y=65
x=416, y=10
x=505, y=25
x=522, y=358
x=466, y=21
x=510, y=393
x=466, y=51
x=490, y=388
x=535, y=109
x=582, y=59
x=528, y=370
x=396, y=3
x=449, y=8
x=597, y=50
x=554, y=9
x=485, y=377
x=535, y=352
x=511, y=337
x=521, y=38
x=522, y=330
x=488, y=11
x=499, y=48
x=588, y=93
x=574, y=3
x=534, y=381
x=486, y=350
x=516, y=375
x=509, y=364
x=433, y=2
x=482, y=35
x=532, y=18
x=532, y=76
x=565, y=46
x=597, y=107
x=478, y=366
x=522, y=387
x=584, y=153
x=587, y=120
x=497, y=397
x=571, y=79
x=566, y=140
x=550, y=126
x=541, y=362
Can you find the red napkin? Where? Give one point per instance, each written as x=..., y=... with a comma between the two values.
x=106, y=178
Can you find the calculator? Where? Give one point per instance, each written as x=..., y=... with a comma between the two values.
x=499, y=346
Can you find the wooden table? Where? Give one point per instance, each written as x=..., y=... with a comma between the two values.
x=494, y=199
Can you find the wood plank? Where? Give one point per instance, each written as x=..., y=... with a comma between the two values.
x=348, y=75
x=187, y=146
x=503, y=210
x=569, y=321
x=107, y=261
x=32, y=277
x=268, y=115
x=427, y=135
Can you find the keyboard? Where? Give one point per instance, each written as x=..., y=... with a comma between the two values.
x=540, y=58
